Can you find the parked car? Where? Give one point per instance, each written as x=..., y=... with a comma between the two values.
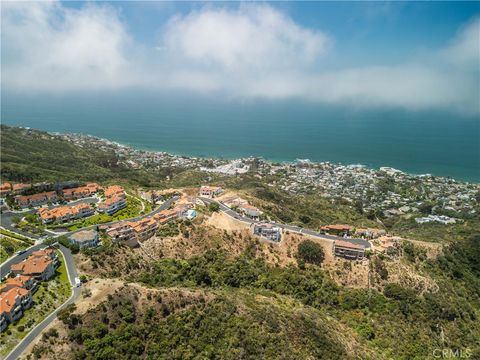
x=20, y=252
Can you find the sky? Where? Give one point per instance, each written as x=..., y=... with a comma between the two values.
x=410, y=55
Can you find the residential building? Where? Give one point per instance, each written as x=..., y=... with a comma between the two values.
x=80, y=192
x=5, y=189
x=3, y=320
x=267, y=230
x=13, y=302
x=122, y=232
x=336, y=229
x=84, y=239
x=65, y=214
x=36, y=199
x=40, y=265
x=145, y=228
x=165, y=216
x=112, y=205
x=348, y=250
x=250, y=211
x=19, y=189
x=115, y=191
x=21, y=281
x=210, y=191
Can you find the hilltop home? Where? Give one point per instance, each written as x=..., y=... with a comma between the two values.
x=336, y=229
x=64, y=214
x=144, y=229
x=267, y=230
x=348, y=250
x=210, y=191
x=250, y=211
x=84, y=239
x=123, y=232
x=36, y=199
x=165, y=216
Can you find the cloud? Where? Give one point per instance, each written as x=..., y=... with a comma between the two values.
x=252, y=51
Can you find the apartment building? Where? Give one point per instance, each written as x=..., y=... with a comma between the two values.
x=165, y=216
x=21, y=281
x=80, y=192
x=5, y=189
x=40, y=265
x=12, y=304
x=36, y=199
x=19, y=189
x=112, y=205
x=144, y=229
x=115, y=191
x=65, y=214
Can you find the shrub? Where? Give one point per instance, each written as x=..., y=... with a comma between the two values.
x=311, y=252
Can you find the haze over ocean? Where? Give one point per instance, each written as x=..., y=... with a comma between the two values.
x=436, y=142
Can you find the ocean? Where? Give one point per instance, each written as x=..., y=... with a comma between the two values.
x=418, y=142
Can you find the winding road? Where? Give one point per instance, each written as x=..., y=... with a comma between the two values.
x=293, y=228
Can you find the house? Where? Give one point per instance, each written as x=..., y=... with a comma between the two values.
x=210, y=191
x=348, y=250
x=21, y=281
x=84, y=239
x=190, y=214
x=250, y=211
x=13, y=302
x=370, y=233
x=36, y=199
x=165, y=216
x=122, y=232
x=267, y=230
x=39, y=265
x=5, y=189
x=336, y=229
x=115, y=191
x=144, y=229
x=65, y=214
x=19, y=189
x=112, y=205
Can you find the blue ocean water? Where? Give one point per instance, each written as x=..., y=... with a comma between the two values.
x=419, y=142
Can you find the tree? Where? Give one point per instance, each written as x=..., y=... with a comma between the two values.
x=213, y=206
x=310, y=252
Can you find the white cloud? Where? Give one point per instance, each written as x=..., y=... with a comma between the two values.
x=251, y=51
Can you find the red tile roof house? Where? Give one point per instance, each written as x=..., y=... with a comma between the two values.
x=114, y=191
x=165, y=216
x=348, y=250
x=13, y=302
x=64, y=214
x=5, y=189
x=112, y=205
x=21, y=188
x=80, y=192
x=41, y=265
x=123, y=232
x=337, y=229
x=22, y=281
x=144, y=229
x=36, y=199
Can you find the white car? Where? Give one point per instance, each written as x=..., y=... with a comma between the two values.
x=77, y=282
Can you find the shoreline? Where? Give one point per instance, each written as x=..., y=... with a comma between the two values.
x=252, y=156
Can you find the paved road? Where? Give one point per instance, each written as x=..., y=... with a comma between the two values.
x=298, y=229
x=37, y=330
x=7, y=216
